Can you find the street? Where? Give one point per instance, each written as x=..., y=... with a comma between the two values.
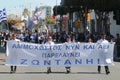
x=58, y=73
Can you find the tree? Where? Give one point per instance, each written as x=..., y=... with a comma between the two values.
x=11, y=22
x=50, y=20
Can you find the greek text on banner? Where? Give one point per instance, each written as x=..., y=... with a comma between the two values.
x=72, y=54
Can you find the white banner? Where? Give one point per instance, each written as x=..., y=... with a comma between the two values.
x=72, y=54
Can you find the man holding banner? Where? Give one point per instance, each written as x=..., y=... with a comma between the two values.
x=68, y=40
x=103, y=54
x=49, y=42
x=13, y=67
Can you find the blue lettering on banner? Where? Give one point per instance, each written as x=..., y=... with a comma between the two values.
x=88, y=47
x=67, y=62
x=35, y=62
x=58, y=55
x=56, y=47
x=31, y=47
x=89, y=61
x=36, y=47
x=23, y=61
x=58, y=62
x=59, y=47
x=16, y=46
x=47, y=62
x=78, y=61
x=72, y=47
x=41, y=48
x=25, y=46
x=103, y=47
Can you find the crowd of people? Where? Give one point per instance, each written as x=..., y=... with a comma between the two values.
x=59, y=37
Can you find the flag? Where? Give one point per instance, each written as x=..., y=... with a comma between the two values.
x=30, y=23
x=35, y=19
x=3, y=15
x=41, y=14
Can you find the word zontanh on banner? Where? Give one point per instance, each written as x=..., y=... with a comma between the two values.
x=72, y=54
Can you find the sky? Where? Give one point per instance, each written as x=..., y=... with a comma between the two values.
x=17, y=6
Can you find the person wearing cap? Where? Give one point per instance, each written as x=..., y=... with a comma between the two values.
x=103, y=41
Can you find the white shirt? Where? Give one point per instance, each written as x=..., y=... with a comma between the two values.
x=50, y=42
x=103, y=53
x=102, y=41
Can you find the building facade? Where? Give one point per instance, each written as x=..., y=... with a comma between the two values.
x=48, y=10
